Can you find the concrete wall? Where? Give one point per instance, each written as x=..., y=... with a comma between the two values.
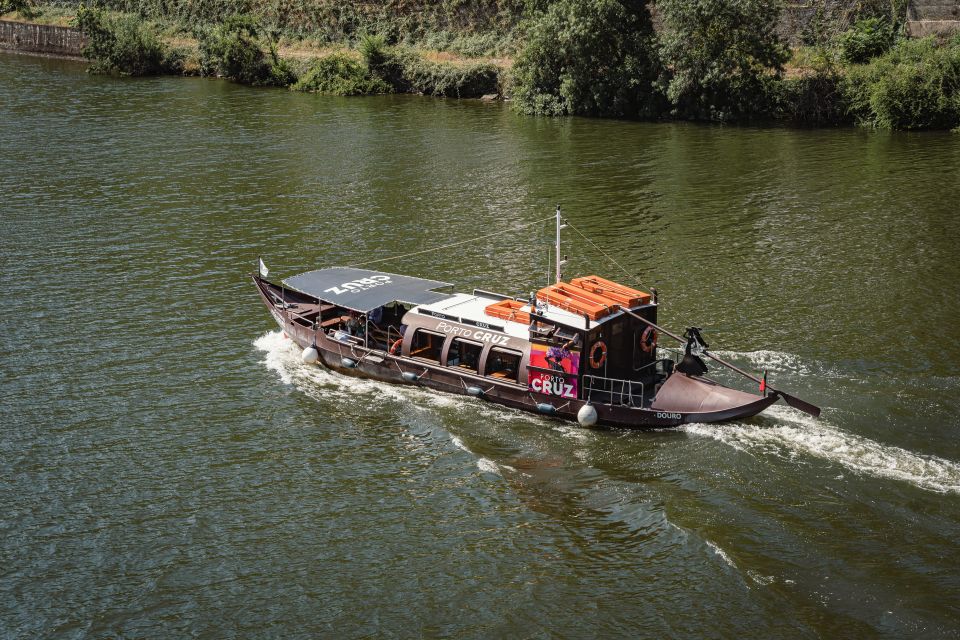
x=928, y=17
x=41, y=39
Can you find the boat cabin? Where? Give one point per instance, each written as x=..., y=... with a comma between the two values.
x=579, y=339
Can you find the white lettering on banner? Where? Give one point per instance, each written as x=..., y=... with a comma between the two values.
x=464, y=332
x=669, y=416
x=358, y=285
x=553, y=385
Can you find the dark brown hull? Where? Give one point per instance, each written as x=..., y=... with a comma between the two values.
x=399, y=369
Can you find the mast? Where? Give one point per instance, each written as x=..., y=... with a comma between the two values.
x=559, y=262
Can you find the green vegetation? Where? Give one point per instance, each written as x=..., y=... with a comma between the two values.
x=234, y=50
x=816, y=98
x=721, y=57
x=709, y=60
x=26, y=9
x=122, y=44
x=410, y=72
x=868, y=38
x=341, y=75
x=915, y=85
x=588, y=57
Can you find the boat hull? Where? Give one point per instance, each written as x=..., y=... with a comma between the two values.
x=353, y=360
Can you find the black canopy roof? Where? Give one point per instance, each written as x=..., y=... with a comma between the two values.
x=363, y=290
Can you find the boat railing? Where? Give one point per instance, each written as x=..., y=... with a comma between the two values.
x=618, y=391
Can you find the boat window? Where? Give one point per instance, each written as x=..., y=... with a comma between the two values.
x=427, y=345
x=504, y=364
x=464, y=354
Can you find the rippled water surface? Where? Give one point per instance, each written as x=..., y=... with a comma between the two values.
x=168, y=468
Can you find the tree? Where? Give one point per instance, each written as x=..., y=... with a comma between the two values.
x=588, y=57
x=721, y=56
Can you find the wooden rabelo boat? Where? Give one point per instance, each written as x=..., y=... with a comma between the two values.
x=582, y=350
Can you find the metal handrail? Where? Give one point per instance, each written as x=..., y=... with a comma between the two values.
x=390, y=339
x=626, y=394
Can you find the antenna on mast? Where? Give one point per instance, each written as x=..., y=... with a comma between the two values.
x=560, y=262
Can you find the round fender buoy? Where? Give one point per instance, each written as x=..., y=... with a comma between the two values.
x=348, y=363
x=587, y=416
x=310, y=355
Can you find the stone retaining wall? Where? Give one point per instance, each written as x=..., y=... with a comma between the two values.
x=41, y=39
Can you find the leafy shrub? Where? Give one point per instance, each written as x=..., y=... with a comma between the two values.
x=815, y=98
x=588, y=57
x=233, y=50
x=915, y=85
x=373, y=49
x=407, y=71
x=341, y=75
x=720, y=56
x=867, y=39
x=123, y=45
x=25, y=8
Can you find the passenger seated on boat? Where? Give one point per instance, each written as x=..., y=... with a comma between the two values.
x=353, y=325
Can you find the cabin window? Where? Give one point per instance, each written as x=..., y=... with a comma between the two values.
x=503, y=364
x=464, y=354
x=427, y=345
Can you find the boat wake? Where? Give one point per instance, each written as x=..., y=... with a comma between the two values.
x=282, y=356
x=793, y=434
x=796, y=433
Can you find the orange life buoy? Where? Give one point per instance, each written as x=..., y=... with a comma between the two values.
x=596, y=362
x=395, y=349
x=648, y=341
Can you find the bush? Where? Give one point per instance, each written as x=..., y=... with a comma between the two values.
x=407, y=71
x=373, y=49
x=25, y=8
x=815, y=98
x=915, y=85
x=341, y=75
x=234, y=50
x=867, y=39
x=588, y=57
x=720, y=56
x=123, y=45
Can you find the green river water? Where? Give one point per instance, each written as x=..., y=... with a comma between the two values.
x=169, y=468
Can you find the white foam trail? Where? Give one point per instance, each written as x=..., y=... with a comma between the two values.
x=798, y=433
x=780, y=362
x=488, y=466
x=720, y=552
x=283, y=356
x=759, y=578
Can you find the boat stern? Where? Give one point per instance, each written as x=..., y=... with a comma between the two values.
x=702, y=400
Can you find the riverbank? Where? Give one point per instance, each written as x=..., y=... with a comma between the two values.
x=622, y=62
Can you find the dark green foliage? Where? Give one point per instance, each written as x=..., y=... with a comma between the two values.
x=25, y=8
x=234, y=50
x=341, y=75
x=814, y=99
x=867, y=39
x=373, y=49
x=341, y=21
x=123, y=44
x=720, y=55
x=588, y=57
x=407, y=71
x=915, y=85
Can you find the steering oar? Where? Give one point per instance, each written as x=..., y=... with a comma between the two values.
x=791, y=400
